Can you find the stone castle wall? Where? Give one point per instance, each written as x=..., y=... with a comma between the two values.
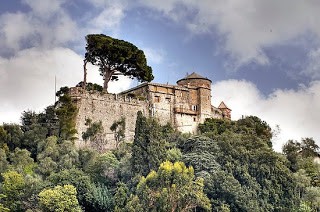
x=106, y=108
x=184, y=106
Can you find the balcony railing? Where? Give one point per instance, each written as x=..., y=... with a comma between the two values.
x=185, y=111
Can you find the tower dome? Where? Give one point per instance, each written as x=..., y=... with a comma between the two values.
x=195, y=80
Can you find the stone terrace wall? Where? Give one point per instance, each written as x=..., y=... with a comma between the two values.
x=107, y=108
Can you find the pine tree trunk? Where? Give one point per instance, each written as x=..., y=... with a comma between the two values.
x=106, y=78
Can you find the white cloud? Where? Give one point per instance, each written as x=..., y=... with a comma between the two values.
x=44, y=8
x=154, y=56
x=122, y=84
x=46, y=25
x=28, y=81
x=34, y=52
x=313, y=64
x=295, y=111
x=107, y=16
x=11, y=35
x=247, y=26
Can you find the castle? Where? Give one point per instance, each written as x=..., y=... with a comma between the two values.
x=184, y=106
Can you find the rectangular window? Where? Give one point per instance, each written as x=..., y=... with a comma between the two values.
x=157, y=99
x=194, y=107
x=168, y=100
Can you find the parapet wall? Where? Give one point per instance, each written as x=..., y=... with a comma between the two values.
x=107, y=108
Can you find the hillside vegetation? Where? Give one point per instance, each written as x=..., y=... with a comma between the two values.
x=228, y=166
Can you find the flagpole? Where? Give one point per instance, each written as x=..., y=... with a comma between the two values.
x=55, y=89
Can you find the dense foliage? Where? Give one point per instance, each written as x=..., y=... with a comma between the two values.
x=229, y=166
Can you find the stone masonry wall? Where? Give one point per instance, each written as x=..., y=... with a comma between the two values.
x=107, y=108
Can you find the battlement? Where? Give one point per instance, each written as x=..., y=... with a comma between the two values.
x=78, y=93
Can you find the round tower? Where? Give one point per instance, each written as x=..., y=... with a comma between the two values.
x=199, y=94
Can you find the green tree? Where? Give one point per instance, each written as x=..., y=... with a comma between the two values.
x=118, y=128
x=2, y=207
x=10, y=136
x=48, y=156
x=87, y=156
x=312, y=197
x=303, y=181
x=94, y=134
x=172, y=188
x=50, y=120
x=213, y=126
x=104, y=168
x=312, y=170
x=91, y=196
x=3, y=138
x=19, y=191
x=291, y=150
x=80, y=180
x=69, y=156
x=22, y=162
x=66, y=113
x=148, y=148
x=240, y=172
x=304, y=207
x=54, y=156
x=59, y=198
x=121, y=196
x=33, y=135
x=173, y=155
x=3, y=161
x=123, y=154
x=250, y=125
x=116, y=57
x=13, y=188
x=90, y=86
x=301, y=155
x=93, y=130
x=309, y=148
x=261, y=172
x=102, y=198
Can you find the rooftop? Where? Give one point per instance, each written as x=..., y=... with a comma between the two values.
x=194, y=75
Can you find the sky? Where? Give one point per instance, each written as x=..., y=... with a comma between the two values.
x=263, y=56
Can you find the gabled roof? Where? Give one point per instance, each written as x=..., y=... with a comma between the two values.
x=194, y=75
x=223, y=106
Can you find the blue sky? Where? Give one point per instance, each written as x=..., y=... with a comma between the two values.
x=263, y=56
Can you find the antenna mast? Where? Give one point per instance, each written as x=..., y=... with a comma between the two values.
x=55, y=89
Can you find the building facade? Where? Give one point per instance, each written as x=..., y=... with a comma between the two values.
x=184, y=105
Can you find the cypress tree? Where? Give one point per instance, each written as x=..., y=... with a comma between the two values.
x=148, y=149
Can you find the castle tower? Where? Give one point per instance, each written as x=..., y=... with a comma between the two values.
x=226, y=112
x=199, y=95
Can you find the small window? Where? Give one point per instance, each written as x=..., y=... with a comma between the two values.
x=194, y=119
x=157, y=99
x=194, y=107
x=168, y=99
